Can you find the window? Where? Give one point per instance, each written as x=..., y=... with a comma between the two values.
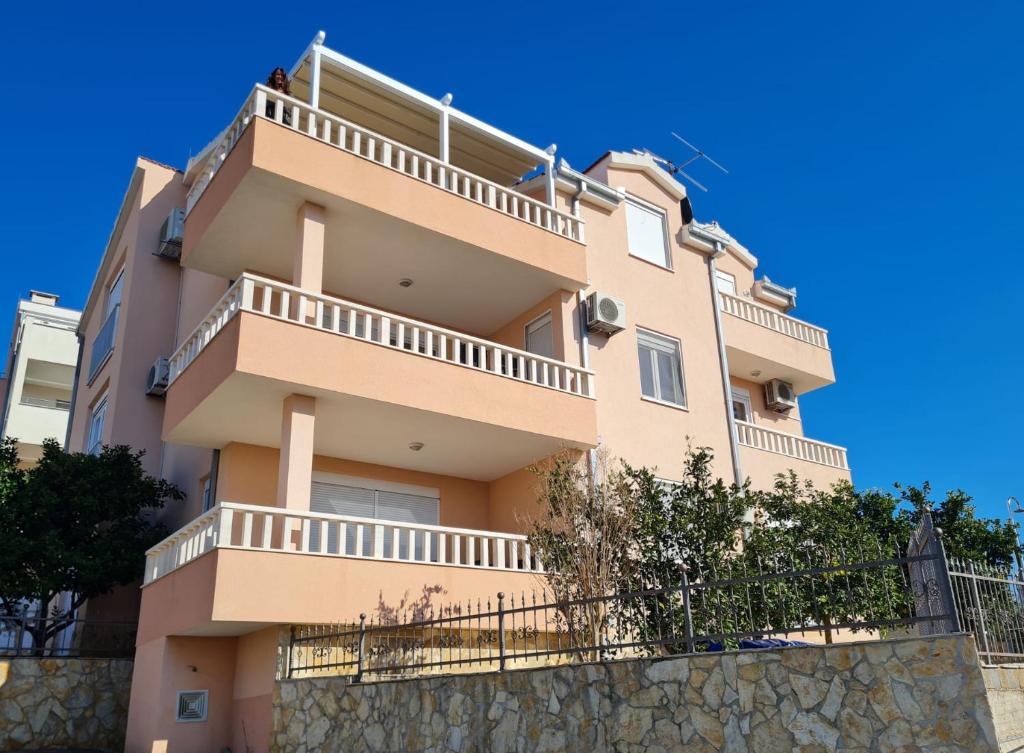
x=726, y=282
x=207, y=494
x=647, y=234
x=539, y=337
x=95, y=440
x=661, y=368
x=365, y=498
x=741, y=410
x=114, y=293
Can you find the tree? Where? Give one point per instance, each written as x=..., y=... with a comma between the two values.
x=801, y=529
x=584, y=533
x=75, y=524
x=694, y=523
x=964, y=536
x=798, y=563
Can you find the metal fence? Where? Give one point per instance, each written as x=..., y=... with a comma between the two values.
x=822, y=598
x=48, y=637
x=990, y=604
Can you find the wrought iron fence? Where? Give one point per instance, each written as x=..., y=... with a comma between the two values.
x=49, y=637
x=814, y=597
x=990, y=604
x=816, y=600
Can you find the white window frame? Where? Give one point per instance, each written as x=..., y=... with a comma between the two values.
x=207, y=495
x=727, y=278
x=93, y=438
x=118, y=280
x=656, y=341
x=536, y=324
x=666, y=244
x=742, y=395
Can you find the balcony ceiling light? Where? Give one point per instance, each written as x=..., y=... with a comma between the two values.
x=755, y=373
x=405, y=282
x=415, y=446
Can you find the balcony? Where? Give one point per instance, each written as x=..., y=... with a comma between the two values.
x=245, y=566
x=760, y=339
x=392, y=212
x=819, y=462
x=254, y=527
x=381, y=381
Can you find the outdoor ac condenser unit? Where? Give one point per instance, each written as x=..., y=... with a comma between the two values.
x=780, y=396
x=605, y=314
x=159, y=375
x=171, y=233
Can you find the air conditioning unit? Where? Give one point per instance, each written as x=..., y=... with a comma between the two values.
x=780, y=396
x=159, y=375
x=605, y=314
x=171, y=233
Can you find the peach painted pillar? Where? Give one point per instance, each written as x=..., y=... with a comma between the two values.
x=308, y=266
x=295, y=467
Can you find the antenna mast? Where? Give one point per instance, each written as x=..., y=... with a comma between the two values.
x=678, y=169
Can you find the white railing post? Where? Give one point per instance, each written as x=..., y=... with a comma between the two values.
x=226, y=517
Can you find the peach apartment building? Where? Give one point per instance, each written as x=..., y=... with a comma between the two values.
x=348, y=328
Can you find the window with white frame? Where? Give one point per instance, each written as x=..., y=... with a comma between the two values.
x=99, y=414
x=115, y=291
x=647, y=233
x=540, y=337
x=726, y=282
x=661, y=368
x=741, y=409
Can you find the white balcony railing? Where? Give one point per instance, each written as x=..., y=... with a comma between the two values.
x=330, y=129
x=774, y=320
x=791, y=445
x=45, y=402
x=230, y=525
x=287, y=303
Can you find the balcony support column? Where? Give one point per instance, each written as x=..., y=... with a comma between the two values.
x=314, y=78
x=308, y=265
x=443, y=135
x=295, y=467
x=549, y=180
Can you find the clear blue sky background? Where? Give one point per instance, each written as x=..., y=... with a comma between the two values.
x=875, y=152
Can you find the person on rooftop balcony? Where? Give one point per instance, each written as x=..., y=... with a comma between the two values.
x=278, y=81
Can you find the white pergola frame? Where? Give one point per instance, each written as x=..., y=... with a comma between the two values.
x=315, y=54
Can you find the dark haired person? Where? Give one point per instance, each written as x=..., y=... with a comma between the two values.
x=278, y=81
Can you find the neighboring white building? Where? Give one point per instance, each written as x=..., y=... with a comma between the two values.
x=39, y=375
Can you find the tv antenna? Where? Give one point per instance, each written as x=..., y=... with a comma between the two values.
x=679, y=169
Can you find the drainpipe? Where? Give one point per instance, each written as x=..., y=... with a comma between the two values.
x=581, y=308
x=724, y=359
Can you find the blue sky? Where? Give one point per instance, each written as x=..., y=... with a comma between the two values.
x=875, y=154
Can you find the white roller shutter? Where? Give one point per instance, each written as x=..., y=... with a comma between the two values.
x=646, y=233
x=371, y=501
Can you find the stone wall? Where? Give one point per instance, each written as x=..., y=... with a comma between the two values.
x=921, y=695
x=1005, y=686
x=58, y=703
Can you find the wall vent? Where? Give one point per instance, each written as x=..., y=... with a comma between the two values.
x=192, y=705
